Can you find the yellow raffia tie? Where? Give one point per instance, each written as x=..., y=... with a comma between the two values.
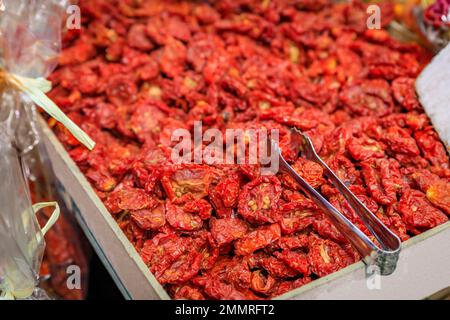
x=10, y=293
x=36, y=89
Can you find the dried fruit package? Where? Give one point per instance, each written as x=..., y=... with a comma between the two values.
x=30, y=34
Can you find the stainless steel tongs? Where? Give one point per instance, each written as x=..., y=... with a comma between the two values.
x=386, y=257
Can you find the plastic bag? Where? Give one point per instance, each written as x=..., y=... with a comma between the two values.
x=30, y=32
x=21, y=238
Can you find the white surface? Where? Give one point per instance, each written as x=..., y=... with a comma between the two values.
x=433, y=87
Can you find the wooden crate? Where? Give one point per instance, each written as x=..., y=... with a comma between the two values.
x=423, y=269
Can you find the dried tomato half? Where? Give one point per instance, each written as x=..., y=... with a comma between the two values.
x=261, y=283
x=296, y=260
x=258, y=201
x=150, y=219
x=383, y=179
x=183, y=269
x=257, y=239
x=419, y=214
x=179, y=219
x=297, y=216
x=160, y=252
x=437, y=190
x=186, y=182
x=129, y=199
x=225, y=231
x=326, y=256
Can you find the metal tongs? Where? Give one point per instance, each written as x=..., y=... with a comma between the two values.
x=386, y=257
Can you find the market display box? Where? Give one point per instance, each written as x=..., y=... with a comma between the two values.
x=423, y=268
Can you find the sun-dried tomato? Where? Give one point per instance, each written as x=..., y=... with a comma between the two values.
x=225, y=195
x=344, y=169
x=365, y=148
x=400, y=141
x=404, y=92
x=185, y=182
x=418, y=214
x=258, y=200
x=150, y=219
x=432, y=148
x=393, y=221
x=257, y=239
x=296, y=260
x=183, y=269
x=311, y=171
x=121, y=89
x=201, y=207
x=383, y=179
x=160, y=252
x=437, y=190
x=262, y=284
x=187, y=292
x=326, y=256
x=297, y=216
x=325, y=228
x=101, y=179
x=368, y=98
x=138, y=39
x=179, y=219
x=292, y=242
x=219, y=290
x=205, y=245
x=278, y=268
x=227, y=230
x=287, y=286
x=129, y=199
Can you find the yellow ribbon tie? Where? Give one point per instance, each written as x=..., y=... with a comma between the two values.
x=36, y=89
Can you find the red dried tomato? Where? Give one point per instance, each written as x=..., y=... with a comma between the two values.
x=432, y=147
x=129, y=199
x=258, y=200
x=257, y=239
x=418, y=214
x=278, y=268
x=186, y=182
x=187, y=292
x=150, y=219
x=297, y=216
x=262, y=284
x=183, y=269
x=404, y=92
x=160, y=252
x=365, y=148
x=436, y=189
x=179, y=219
x=383, y=179
x=225, y=231
x=326, y=257
x=296, y=260
x=400, y=141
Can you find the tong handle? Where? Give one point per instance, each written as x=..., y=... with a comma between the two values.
x=388, y=240
x=384, y=258
x=356, y=237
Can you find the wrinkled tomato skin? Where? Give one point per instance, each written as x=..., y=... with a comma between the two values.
x=418, y=213
x=258, y=200
x=257, y=239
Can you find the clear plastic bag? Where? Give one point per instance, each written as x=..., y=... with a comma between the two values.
x=30, y=40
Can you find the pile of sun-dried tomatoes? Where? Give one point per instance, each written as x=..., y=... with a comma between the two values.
x=138, y=70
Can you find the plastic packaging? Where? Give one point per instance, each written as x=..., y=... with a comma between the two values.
x=30, y=32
